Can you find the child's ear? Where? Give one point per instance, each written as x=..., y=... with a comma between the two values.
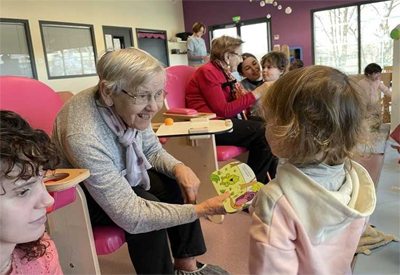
x=105, y=94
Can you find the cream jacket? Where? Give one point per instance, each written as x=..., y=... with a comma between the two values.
x=298, y=227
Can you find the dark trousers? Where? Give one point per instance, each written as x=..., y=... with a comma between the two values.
x=149, y=252
x=251, y=135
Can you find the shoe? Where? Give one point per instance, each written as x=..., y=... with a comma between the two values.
x=204, y=269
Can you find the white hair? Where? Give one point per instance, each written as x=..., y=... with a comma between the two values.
x=127, y=69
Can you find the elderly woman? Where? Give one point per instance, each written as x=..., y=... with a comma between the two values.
x=134, y=183
x=214, y=89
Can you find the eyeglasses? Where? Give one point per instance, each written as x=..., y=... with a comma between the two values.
x=145, y=98
x=237, y=54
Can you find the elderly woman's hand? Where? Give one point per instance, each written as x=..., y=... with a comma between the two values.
x=260, y=90
x=213, y=206
x=188, y=182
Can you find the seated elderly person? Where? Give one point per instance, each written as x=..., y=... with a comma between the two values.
x=134, y=182
x=214, y=89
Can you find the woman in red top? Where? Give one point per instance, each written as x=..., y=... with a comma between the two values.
x=213, y=89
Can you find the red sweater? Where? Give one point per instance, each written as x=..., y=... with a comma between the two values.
x=204, y=93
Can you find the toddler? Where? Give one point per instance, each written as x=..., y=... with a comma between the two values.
x=309, y=219
x=25, y=155
x=372, y=83
x=372, y=87
x=274, y=65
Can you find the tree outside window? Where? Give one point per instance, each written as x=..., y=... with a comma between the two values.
x=351, y=37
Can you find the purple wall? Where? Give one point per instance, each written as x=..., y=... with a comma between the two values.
x=293, y=29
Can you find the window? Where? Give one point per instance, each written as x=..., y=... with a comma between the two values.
x=377, y=21
x=16, y=49
x=349, y=38
x=155, y=43
x=69, y=49
x=256, y=35
x=229, y=30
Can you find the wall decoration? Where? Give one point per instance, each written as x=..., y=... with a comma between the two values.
x=272, y=4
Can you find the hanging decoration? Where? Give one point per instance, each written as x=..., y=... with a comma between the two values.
x=288, y=10
x=273, y=3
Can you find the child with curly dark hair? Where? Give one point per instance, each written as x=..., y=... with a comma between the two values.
x=309, y=219
x=25, y=155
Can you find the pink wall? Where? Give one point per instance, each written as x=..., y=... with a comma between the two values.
x=293, y=29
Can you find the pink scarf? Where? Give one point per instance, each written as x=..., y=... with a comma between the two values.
x=136, y=162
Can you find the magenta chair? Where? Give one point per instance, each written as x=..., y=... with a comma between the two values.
x=177, y=79
x=77, y=242
x=20, y=95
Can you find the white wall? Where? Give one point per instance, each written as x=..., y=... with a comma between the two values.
x=149, y=14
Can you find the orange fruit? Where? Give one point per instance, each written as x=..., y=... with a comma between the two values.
x=168, y=121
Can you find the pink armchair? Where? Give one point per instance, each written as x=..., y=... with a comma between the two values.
x=177, y=79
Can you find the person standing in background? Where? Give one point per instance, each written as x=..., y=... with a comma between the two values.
x=196, y=46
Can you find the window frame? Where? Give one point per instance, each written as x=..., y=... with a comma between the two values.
x=28, y=37
x=69, y=24
x=164, y=32
x=243, y=23
x=358, y=7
